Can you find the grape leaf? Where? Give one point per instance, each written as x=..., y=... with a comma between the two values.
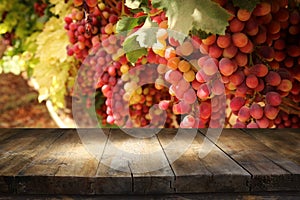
x=146, y=35
x=137, y=43
x=246, y=4
x=201, y=34
x=135, y=4
x=52, y=71
x=133, y=49
x=177, y=35
x=183, y=15
x=128, y=23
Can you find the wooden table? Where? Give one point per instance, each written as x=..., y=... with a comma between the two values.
x=54, y=161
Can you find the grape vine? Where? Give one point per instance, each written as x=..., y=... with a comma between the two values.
x=216, y=63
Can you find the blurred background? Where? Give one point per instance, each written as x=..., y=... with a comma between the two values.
x=23, y=99
x=19, y=106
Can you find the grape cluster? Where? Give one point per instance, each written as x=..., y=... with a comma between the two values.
x=144, y=92
x=90, y=29
x=247, y=78
x=87, y=23
x=257, y=60
x=268, y=55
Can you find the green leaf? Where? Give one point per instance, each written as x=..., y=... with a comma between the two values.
x=177, y=36
x=146, y=35
x=133, y=49
x=246, y=4
x=200, y=33
x=128, y=23
x=135, y=4
x=184, y=15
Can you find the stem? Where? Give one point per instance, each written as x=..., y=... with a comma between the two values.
x=123, y=13
x=100, y=11
x=157, y=13
x=289, y=110
x=253, y=98
x=250, y=59
x=290, y=104
x=229, y=117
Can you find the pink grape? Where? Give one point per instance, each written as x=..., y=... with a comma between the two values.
x=181, y=108
x=164, y=105
x=173, y=76
x=260, y=70
x=252, y=125
x=210, y=66
x=218, y=87
x=252, y=81
x=271, y=112
x=273, y=78
x=205, y=110
x=226, y=66
x=273, y=98
x=203, y=92
x=244, y=114
x=256, y=111
x=263, y=122
x=236, y=103
x=237, y=78
x=188, y=122
x=190, y=96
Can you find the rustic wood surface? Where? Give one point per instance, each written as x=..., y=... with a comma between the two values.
x=269, y=170
x=214, y=173
x=57, y=162
x=285, y=142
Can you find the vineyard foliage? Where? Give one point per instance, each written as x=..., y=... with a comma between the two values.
x=212, y=63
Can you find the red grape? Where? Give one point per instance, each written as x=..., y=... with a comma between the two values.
x=256, y=111
x=236, y=103
x=273, y=98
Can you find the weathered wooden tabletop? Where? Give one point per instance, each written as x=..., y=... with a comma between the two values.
x=55, y=161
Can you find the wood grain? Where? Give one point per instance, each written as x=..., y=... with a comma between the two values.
x=150, y=167
x=266, y=166
x=214, y=172
x=136, y=160
x=20, y=150
x=86, y=162
x=112, y=180
x=40, y=176
x=285, y=142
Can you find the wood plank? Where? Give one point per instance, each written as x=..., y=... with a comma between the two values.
x=214, y=172
x=85, y=155
x=19, y=151
x=266, y=167
x=285, y=142
x=82, y=162
x=7, y=185
x=58, y=161
x=143, y=158
x=39, y=177
x=48, y=163
x=14, y=157
x=148, y=163
x=5, y=132
x=7, y=135
x=112, y=180
x=66, y=168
